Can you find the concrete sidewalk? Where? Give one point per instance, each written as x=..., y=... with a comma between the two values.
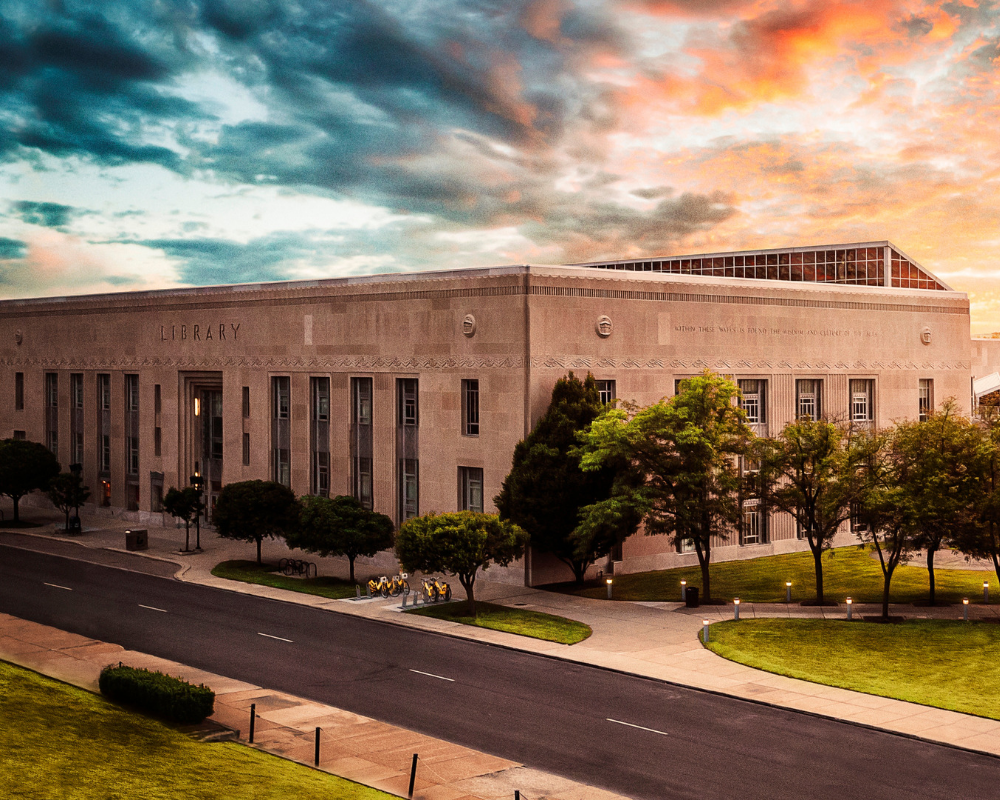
x=655, y=640
x=352, y=746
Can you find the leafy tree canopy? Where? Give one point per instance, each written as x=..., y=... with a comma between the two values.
x=67, y=492
x=24, y=467
x=546, y=488
x=251, y=510
x=460, y=543
x=340, y=526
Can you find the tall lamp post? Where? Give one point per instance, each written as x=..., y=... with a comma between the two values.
x=198, y=482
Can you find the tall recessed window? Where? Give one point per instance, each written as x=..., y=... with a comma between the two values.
x=607, y=391
x=925, y=402
x=862, y=399
x=319, y=435
x=19, y=391
x=808, y=398
x=361, y=441
x=407, y=450
x=470, y=408
x=280, y=433
x=470, y=489
x=753, y=400
x=246, y=402
x=52, y=412
x=76, y=417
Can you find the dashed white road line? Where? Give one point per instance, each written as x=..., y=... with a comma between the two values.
x=432, y=675
x=279, y=638
x=57, y=586
x=640, y=727
x=153, y=608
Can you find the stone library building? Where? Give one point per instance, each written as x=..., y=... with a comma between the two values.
x=410, y=391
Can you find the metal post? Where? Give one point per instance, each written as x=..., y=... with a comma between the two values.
x=736, y=609
x=986, y=592
x=317, y=747
x=684, y=591
x=704, y=627
x=517, y=794
x=413, y=777
x=850, y=607
x=609, y=588
x=253, y=719
x=788, y=591
x=965, y=609
x=369, y=591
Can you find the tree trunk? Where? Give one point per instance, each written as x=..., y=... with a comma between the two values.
x=351, y=561
x=706, y=586
x=930, y=571
x=259, y=540
x=885, y=594
x=469, y=584
x=818, y=561
x=67, y=520
x=187, y=535
x=579, y=571
x=16, y=517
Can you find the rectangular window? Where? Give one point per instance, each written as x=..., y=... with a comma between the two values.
x=105, y=453
x=76, y=390
x=157, y=441
x=51, y=390
x=321, y=399
x=753, y=523
x=19, y=391
x=926, y=399
x=246, y=402
x=52, y=442
x=362, y=406
x=133, y=455
x=808, y=398
x=157, y=399
x=77, y=454
x=753, y=401
x=246, y=449
x=607, y=392
x=857, y=526
x=131, y=392
x=408, y=415
x=409, y=488
x=862, y=400
x=282, y=472
x=321, y=474
x=470, y=483
x=104, y=392
x=281, y=390
x=361, y=441
x=20, y=436
x=363, y=482
x=470, y=408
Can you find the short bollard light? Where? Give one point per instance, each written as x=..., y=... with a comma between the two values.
x=704, y=628
x=986, y=591
x=788, y=591
x=609, y=588
x=965, y=609
x=684, y=591
x=850, y=607
x=736, y=608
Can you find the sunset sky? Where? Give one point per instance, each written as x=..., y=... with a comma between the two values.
x=170, y=143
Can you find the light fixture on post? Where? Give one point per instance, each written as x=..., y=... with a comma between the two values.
x=609, y=588
x=684, y=591
x=197, y=406
x=198, y=483
x=704, y=628
x=986, y=592
x=788, y=591
x=850, y=607
x=736, y=608
x=965, y=609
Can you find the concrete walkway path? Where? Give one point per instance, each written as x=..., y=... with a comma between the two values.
x=656, y=640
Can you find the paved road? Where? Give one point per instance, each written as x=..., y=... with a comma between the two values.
x=630, y=735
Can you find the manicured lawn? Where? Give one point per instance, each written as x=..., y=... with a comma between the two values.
x=938, y=663
x=62, y=743
x=847, y=572
x=511, y=620
x=266, y=575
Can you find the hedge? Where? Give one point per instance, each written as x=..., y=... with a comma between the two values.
x=167, y=697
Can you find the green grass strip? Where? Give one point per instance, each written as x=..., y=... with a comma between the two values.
x=523, y=622
x=940, y=663
x=265, y=575
x=847, y=572
x=62, y=743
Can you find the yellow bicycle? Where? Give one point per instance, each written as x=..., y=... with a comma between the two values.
x=399, y=585
x=435, y=590
x=380, y=587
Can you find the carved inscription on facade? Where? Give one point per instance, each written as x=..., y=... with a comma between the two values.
x=745, y=330
x=183, y=332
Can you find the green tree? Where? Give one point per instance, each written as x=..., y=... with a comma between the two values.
x=882, y=515
x=24, y=467
x=460, y=544
x=981, y=539
x=937, y=487
x=686, y=452
x=340, y=526
x=185, y=504
x=67, y=492
x=545, y=489
x=808, y=472
x=251, y=510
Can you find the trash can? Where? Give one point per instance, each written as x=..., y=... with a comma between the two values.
x=136, y=540
x=74, y=525
x=691, y=597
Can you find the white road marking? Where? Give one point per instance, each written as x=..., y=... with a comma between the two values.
x=153, y=608
x=640, y=727
x=432, y=675
x=57, y=586
x=269, y=636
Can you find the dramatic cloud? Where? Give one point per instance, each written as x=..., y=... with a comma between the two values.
x=209, y=141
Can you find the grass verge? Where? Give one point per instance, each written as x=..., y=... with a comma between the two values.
x=63, y=743
x=521, y=621
x=938, y=663
x=266, y=575
x=847, y=572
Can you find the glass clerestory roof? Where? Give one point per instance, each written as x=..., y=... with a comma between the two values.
x=862, y=264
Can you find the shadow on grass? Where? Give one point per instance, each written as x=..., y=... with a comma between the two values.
x=523, y=622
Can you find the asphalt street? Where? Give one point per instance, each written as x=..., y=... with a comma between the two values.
x=628, y=734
